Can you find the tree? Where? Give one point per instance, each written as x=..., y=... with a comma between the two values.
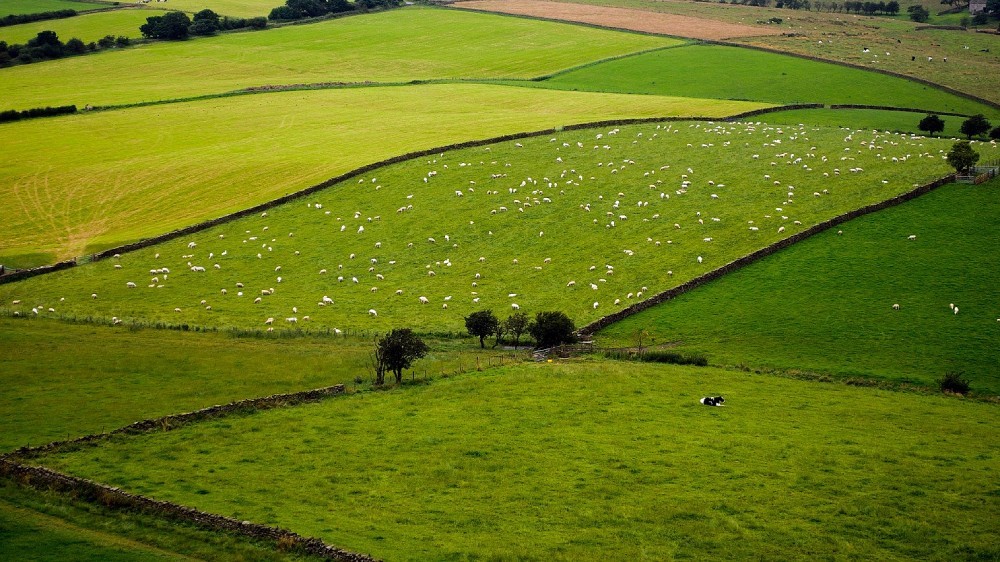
x=172, y=25
x=551, y=329
x=962, y=156
x=481, y=324
x=992, y=8
x=76, y=46
x=516, y=325
x=918, y=13
x=931, y=124
x=975, y=126
x=284, y=13
x=995, y=133
x=892, y=8
x=205, y=22
x=396, y=351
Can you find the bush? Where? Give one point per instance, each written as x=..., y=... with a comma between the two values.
x=671, y=357
x=550, y=329
x=953, y=382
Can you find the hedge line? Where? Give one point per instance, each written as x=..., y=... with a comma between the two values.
x=18, y=19
x=14, y=115
x=748, y=259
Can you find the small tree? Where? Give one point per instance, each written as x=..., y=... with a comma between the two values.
x=551, y=329
x=918, y=13
x=995, y=133
x=499, y=332
x=975, y=126
x=396, y=351
x=76, y=46
x=962, y=156
x=953, y=382
x=931, y=124
x=481, y=324
x=517, y=325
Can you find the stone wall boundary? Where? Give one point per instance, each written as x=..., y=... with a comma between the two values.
x=752, y=257
x=888, y=108
x=42, y=478
x=260, y=208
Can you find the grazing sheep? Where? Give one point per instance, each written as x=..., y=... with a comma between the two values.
x=371, y=312
x=292, y=320
x=130, y=285
x=895, y=307
x=515, y=306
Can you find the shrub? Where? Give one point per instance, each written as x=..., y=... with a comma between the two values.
x=953, y=382
x=550, y=329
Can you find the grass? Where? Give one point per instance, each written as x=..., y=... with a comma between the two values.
x=86, y=27
x=84, y=182
x=589, y=461
x=844, y=36
x=396, y=46
x=825, y=305
x=572, y=228
x=43, y=526
x=232, y=8
x=67, y=380
x=10, y=7
x=712, y=71
x=867, y=119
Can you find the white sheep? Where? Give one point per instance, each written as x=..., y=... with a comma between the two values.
x=371, y=312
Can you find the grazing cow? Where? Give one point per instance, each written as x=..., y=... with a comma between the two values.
x=712, y=401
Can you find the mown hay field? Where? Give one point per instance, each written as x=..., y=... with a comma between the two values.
x=587, y=222
x=591, y=460
x=825, y=305
x=86, y=27
x=714, y=71
x=89, y=181
x=397, y=46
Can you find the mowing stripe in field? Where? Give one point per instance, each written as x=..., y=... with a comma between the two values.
x=97, y=180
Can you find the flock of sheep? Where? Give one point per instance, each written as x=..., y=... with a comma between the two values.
x=585, y=222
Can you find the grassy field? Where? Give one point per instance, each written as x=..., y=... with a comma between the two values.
x=592, y=461
x=609, y=209
x=844, y=36
x=9, y=7
x=825, y=305
x=401, y=45
x=43, y=526
x=711, y=71
x=66, y=380
x=88, y=181
x=866, y=119
x=232, y=8
x=86, y=27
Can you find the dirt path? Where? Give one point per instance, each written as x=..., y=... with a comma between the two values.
x=621, y=18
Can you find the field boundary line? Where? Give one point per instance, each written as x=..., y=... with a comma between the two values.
x=888, y=108
x=204, y=225
x=41, y=478
x=731, y=43
x=757, y=255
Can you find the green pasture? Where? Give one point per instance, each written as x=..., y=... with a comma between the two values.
x=91, y=180
x=86, y=27
x=44, y=526
x=395, y=46
x=902, y=121
x=825, y=305
x=232, y=8
x=67, y=380
x=713, y=71
x=592, y=460
x=9, y=7
x=587, y=222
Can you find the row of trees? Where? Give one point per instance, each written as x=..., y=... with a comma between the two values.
x=548, y=329
x=974, y=126
x=177, y=25
x=17, y=19
x=300, y=9
x=46, y=46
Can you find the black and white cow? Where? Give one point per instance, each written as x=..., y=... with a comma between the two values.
x=712, y=400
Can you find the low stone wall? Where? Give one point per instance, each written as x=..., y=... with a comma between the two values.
x=45, y=479
x=20, y=274
x=605, y=321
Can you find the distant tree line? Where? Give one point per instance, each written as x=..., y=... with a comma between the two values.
x=17, y=19
x=177, y=25
x=301, y=9
x=13, y=115
x=46, y=46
